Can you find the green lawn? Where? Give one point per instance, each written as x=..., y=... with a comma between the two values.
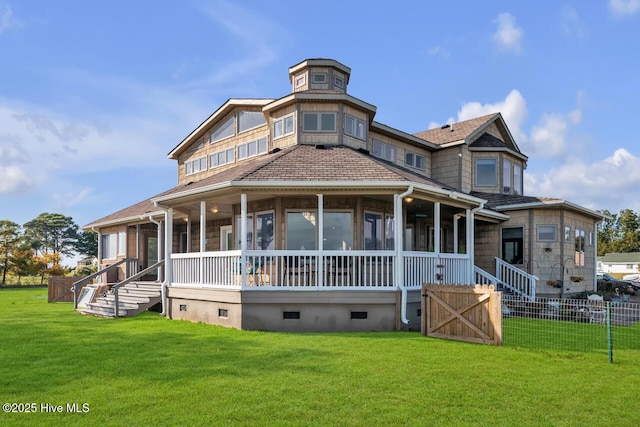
x=159, y=372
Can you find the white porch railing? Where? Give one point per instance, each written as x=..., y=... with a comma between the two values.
x=315, y=270
x=515, y=279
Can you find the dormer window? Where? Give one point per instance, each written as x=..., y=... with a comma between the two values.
x=338, y=82
x=506, y=176
x=283, y=127
x=414, y=160
x=354, y=127
x=384, y=151
x=319, y=122
x=301, y=80
x=319, y=78
x=225, y=130
x=486, y=173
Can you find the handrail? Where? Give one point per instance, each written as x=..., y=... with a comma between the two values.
x=136, y=276
x=82, y=282
x=526, y=280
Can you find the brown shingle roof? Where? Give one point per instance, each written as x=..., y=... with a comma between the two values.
x=486, y=140
x=456, y=132
x=496, y=200
x=297, y=163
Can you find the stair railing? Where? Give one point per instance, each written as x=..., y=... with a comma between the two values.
x=515, y=279
x=77, y=286
x=136, y=276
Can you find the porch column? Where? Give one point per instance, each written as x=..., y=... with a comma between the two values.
x=436, y=228
x=203, y=235
x=243, y=238
x=456, y=232
x=161, y=240
x=138, y=244
x=470, y=244
x=320, y=262
x=99, y=250
x=188, y=247
x=168, y=265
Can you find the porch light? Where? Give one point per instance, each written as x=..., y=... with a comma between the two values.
x=214, y=209
x=408, y=199
x=185, y=219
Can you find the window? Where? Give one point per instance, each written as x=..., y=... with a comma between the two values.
x=319, y=122
x=223, y=131
x=301, y=230
x=252, y=148
x=109, y=245
x=338, y=82
x=378, y=234
x=513, y=245
x=264, y=231
x=354, y=127
x=414, y=160
x=567, y=234
x=517, y=179
x=546, y=233
x=194, y=166
x=300, y=81
x=222, y=157
x=580, y=244
x=384, y=151
x=338, y=231
x=249, y=232
x=591, y=238
x=506, y=176
x=319, y=78
x=122, y=242
x=486, y=172
x=249, y=120
x=283, y=127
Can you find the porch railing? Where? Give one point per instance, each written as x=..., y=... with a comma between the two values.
x=515, y=279
x=131, y=266
x=313, y=269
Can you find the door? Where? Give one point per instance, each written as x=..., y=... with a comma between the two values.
x=226, y=238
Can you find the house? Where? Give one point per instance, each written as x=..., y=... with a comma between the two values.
x=303, y=213
x=619, y=263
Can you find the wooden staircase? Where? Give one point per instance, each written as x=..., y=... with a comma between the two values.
x=133, y=298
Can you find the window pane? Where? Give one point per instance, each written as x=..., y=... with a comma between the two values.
x=252, y=148
x=242, y=151
x=222, y=158
x=288, y=125
x=372, y=231
x=213, y=160
x=187, y=168
x=231, y=155
x=310, y=122
x=203, y=164
x=506, y=176
x=409, y=159
x=319, y=78
x=122, y=242
x=250, y=119
x=517, y=179
x=377, y=149
x=419, y=162
x=328, y=122
x=389, y=233
x=301, y=230
x=262, y=145
x=513, y=245
x=225, y=130
x=360, y=129
x=547, y=233
x=349, y=125
x=338, y=231
x=486, y=172
x=277, y=128
x=264, y=231
x=249, y=232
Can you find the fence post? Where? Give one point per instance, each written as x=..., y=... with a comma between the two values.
x=609, y=332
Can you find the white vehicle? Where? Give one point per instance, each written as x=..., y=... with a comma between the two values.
x=632, y=277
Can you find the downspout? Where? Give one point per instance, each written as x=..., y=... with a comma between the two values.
x=472, y=239
x=398, y=267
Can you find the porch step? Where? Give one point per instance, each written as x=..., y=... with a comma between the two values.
x=133, y=298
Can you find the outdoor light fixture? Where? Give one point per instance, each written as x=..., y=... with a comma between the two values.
x=185, y=219
x=214, y=209
x=408, y=199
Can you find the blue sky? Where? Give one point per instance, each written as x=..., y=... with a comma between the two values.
x=93, y=95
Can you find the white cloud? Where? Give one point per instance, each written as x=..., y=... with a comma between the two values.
x=8, y=19
x=624, y=8
x=13, y=179
x=513, y=108
x=597, y=185
x=571, y=23
x=508, y=36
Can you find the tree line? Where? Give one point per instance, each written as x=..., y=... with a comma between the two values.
x=621, y=233
x=37, y=247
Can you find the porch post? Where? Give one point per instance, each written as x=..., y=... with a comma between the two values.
x=320, y=262
x=436, y=231
x=470, y=244
x=161, y=241
x=188, y=248
x=138, y=244
x=243, y=238
x=168, y=265
x=100, y=256
x=456, y=218
x=203, y=235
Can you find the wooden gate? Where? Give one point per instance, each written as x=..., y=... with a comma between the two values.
x=60, y=288
x=462, y=312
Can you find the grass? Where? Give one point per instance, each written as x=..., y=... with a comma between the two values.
x=159, y=372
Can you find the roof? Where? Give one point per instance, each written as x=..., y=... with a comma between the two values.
x=457, y=131
x=488, y=141
x=509, y=202
x=621, y=258
x=331, y=165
